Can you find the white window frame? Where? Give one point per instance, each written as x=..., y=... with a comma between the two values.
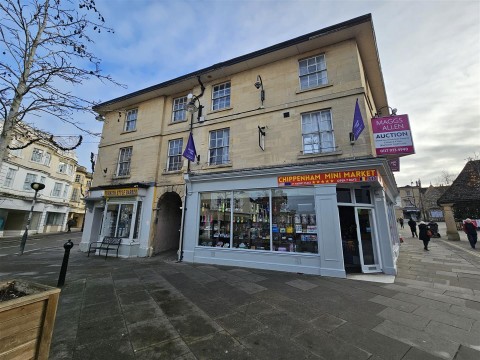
x=218, y=151
x=124, y=161
x=312, y=72
x=10, y=177
x=317, y=132
x=221, y=96
x=47, y=159
x=62, y=168
x=37, y=155
x=29, y=179
x=174, y=160
x=179, y=112
x=131, y=120
x=65, y=191
x=42, y=179
x=74, y=194
x=57, y=189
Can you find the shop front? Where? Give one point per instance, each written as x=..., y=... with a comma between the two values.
x=119, y=212
x=326, y=221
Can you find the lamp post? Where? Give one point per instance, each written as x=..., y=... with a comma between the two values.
x=259, y=85
x=393, y=110
x=36, y=187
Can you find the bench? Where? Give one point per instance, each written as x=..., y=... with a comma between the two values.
x=108, y=243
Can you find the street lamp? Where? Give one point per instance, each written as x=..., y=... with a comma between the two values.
x=393, y=110
x=37, y=187
x=259, y=85
x=192, y=108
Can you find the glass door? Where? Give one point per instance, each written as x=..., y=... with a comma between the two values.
x=367, y=245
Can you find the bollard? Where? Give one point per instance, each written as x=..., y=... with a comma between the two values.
x=63, y=271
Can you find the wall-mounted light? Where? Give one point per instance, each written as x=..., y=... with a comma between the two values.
x=393, y=111
x=192, y=108
x=100, y=117
x=259, y=85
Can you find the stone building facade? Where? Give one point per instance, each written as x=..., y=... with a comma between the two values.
x=275, y=181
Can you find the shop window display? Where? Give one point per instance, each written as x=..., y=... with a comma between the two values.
x=280, y=220
x=215, y=215
x=294, y=223
x=118, y=220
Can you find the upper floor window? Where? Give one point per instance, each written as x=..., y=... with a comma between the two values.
x=175, y=160
x=42, y=180
x=89, y=183
x=317, y=132
x=37, y=155
x=78, y=178
x=124, y=158
x=16, y=152
x=219, y=144
x=74, y=194
x=29, y=179
x=221, y=96
x=179, y=112
x=65, y=191
x=131, y=120
x=312, y=72
x=57, y=189
x=47, y=158
x=62, y=168
x=10, y=177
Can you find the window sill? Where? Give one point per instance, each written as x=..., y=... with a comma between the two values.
x=176, y=122
x=128, y=131
x=172, y=172
x=300, y=91
x=219, y=110
x=219, y=166
x=115, y=177
x=317, y=155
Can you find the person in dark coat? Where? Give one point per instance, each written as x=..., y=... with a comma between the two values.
x=401, y=222
x=413, y=227
x=471, y=231
x=423, y=234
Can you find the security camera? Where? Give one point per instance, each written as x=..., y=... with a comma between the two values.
x=100, y=118
x=257, y=84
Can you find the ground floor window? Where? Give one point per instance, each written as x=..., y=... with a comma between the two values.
x=118, y=220
x=280, y=220
x=54, y=218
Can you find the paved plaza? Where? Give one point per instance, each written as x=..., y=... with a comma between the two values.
x=156, y=308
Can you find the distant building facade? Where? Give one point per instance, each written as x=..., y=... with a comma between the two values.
x=80, y=186
x=39, y=162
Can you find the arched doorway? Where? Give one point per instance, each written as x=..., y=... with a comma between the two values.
x=168, y=221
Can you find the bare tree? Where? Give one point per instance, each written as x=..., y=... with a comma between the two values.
x=43, y=46
x=445, y=178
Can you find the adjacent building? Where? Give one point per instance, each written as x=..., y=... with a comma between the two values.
x=42, y=162
x=275, y=178
x=80, y=186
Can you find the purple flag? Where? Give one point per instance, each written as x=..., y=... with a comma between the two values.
x=358, y=124
x=190, y=153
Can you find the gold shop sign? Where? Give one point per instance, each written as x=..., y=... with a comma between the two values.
x=121, y=192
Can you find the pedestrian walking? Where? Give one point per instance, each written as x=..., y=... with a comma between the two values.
x=401, y=222
x=471, y=230
x=413, y=227
x=70, y=223
x=424, y=234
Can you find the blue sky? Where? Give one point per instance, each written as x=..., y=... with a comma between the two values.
x=429, y=52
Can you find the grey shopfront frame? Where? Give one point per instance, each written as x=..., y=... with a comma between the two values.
x=328, y=262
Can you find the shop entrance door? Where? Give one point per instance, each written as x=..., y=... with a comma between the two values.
x=367, y=241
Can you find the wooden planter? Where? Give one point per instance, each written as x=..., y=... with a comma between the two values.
x=26, y=323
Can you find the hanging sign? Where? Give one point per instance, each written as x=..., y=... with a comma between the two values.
x=394, y=164
x=392, y=135
x=336, y=177
x=121, y=192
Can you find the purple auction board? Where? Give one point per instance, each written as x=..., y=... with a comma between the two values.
x=392, y=135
